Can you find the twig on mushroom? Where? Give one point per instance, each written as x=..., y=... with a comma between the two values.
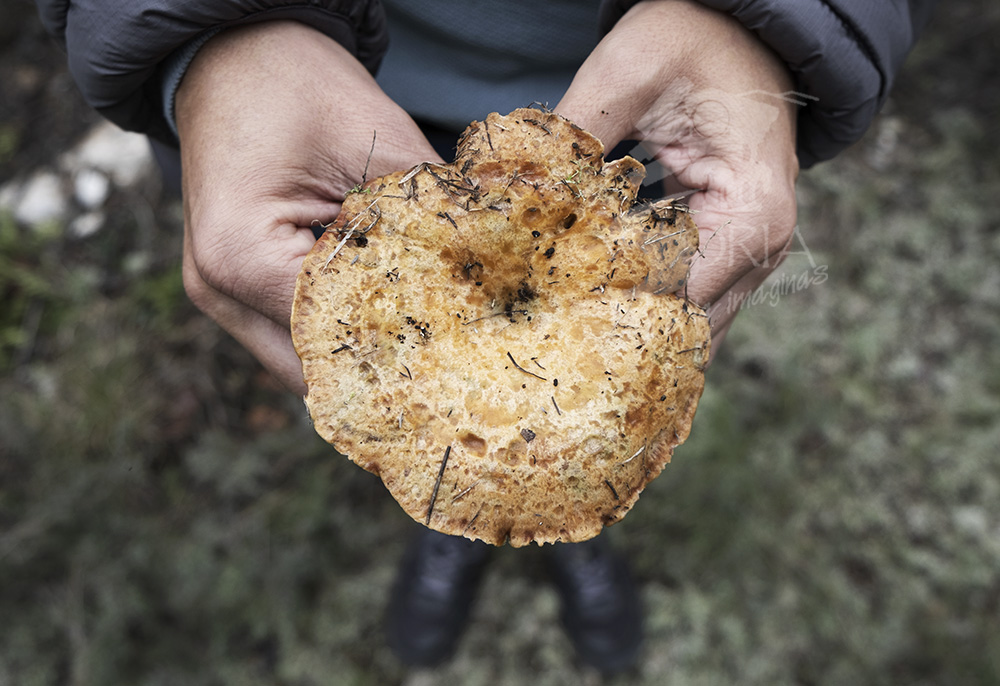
x=437, y=484
x=351, y=229
x=472, y=521
x=445, y=215
x=635, y=455
x=495, y=314
x=466, y=490
x=539, y=124
x=486, y=127
x=663, y=237
x=423, y=166
x=523, y=369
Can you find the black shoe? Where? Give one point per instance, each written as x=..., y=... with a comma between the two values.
x=432, y=597
x=601, y=610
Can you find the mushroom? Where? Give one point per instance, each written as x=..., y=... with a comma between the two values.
x=503, y=339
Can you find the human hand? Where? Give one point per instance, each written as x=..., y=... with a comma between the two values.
x=704, y=95
x=276, y=123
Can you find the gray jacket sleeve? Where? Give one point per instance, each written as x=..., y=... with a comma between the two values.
x=844, y=55
x=115, y=49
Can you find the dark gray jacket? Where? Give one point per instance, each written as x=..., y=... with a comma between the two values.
x=844, y=53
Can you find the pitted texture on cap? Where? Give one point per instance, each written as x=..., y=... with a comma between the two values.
x=499, y=338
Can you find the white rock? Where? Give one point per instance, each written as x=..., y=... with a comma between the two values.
x=137, y=262
x=91, y=188
x=42, y=199
x=44, y=380
x=122, y=155
x=86, y=224
x=971, y=519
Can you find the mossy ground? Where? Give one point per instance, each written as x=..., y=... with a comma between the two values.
x=167, y=515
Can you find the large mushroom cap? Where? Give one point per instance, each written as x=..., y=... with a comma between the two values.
x=499, y=338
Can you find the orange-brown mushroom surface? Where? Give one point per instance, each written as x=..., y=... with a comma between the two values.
x=500, y=339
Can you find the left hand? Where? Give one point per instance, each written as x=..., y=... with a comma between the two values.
x=705, y=96
x=276, y=125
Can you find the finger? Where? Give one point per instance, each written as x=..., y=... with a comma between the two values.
x=733, y=247
x=745, y=212
x=723, y=311
x=254, y=258
x=269, y=341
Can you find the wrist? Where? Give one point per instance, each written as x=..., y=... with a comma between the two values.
x=250, y=69
x=172, y=71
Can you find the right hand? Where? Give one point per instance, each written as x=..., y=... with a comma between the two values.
x=275, y=123
x=706, y=96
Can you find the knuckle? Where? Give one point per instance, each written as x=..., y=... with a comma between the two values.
x=214, y=264
x=197, y=289
x=207, y=273
x=220, y=272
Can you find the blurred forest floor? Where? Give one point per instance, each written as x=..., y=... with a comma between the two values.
x=168, y=516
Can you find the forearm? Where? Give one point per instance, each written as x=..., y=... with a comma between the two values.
x=705, y=96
